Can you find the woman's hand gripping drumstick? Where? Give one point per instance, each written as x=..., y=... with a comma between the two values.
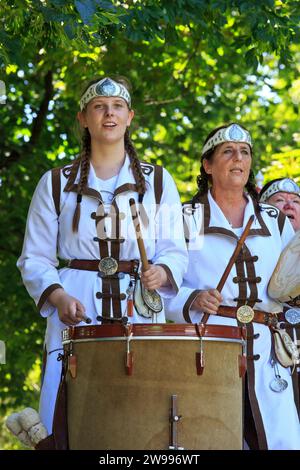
x=70, y=310
x=153, y=276
x=208, y=301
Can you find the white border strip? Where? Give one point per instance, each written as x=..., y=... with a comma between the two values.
x=150, y=338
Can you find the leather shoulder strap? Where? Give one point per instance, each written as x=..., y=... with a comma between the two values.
x=56, y=188
x=281, y=221
x=158, y=183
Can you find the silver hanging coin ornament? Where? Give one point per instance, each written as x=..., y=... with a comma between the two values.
x=292, y=316
x=278, y=384
x=245, y=314
x=108, y=266
x=152, y=299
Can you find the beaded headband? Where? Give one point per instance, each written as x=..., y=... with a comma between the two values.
x=232, y=133
x=285, y=185
x=105, y=87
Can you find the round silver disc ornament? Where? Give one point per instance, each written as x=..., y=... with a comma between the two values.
x=278, y=385
x=108, y=266
x=245, y=314
x=292, y=315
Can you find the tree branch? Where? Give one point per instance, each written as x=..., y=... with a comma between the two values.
x=158, y=103
x=39, y=121
x=37, y=125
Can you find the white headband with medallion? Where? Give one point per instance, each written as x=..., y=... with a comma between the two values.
x=285, y=185
x=232, y=133
x=105, y=87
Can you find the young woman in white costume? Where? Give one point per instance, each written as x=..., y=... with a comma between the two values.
x=80, y=213
x=216, y=218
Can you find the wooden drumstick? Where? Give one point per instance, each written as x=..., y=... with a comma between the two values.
x=87, y=320
x=200, y=355
x=139, y=238
x=235, y=254
x=231, y=262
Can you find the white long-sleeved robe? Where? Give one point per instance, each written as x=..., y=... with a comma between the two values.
x=48, y=236
x=212, y=242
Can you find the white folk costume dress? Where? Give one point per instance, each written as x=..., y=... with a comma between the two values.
x=49, y=235
x=275, y=414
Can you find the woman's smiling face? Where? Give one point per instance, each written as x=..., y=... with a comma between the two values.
x=106, y=118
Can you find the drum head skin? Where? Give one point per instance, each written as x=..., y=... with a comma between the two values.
x=109, y=409
x=284, y=284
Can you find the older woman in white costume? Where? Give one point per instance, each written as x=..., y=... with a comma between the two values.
x=80, y=213
x=216, y=218
x=283, y=193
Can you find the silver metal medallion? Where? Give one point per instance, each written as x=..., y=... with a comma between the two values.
x=278, y=384
x=292, y=315
x=108, y=266
x=152, y=299
x=245, y=314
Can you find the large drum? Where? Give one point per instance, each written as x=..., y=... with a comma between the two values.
x=142, y=387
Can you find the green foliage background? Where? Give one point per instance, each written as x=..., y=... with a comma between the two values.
x=193, y=64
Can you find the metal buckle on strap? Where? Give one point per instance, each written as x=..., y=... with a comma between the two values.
x=270, y=319
x=108, y=266
x=245, y=314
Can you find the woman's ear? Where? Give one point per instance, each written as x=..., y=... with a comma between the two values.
x=82, y=120
x=130, y=117
x=206, y=166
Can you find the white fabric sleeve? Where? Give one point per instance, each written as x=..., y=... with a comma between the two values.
x=170, y=250
x=178, y=309
x=38, y=261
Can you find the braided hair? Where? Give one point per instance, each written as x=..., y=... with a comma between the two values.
x=84, y=162
x=204, y=180
x=85, y=156
x=135, y=164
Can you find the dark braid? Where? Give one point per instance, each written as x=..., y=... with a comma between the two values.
x=135, y=164
x=251, y=187
x=84, y=173
x=203, y=179
x=202, y=184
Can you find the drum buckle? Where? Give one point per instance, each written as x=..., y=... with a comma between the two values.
x=129, y=354
x=174, y=419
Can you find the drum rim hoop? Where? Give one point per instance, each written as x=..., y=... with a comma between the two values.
x=146, y=330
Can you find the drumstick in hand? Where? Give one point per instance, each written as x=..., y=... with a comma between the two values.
x=138, y=233
x=199, y=355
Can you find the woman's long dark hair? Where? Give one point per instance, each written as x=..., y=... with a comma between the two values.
x=204, y=180
x=85, y=155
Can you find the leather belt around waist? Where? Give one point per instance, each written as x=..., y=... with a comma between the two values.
x=128, y=267
x=265, y=318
